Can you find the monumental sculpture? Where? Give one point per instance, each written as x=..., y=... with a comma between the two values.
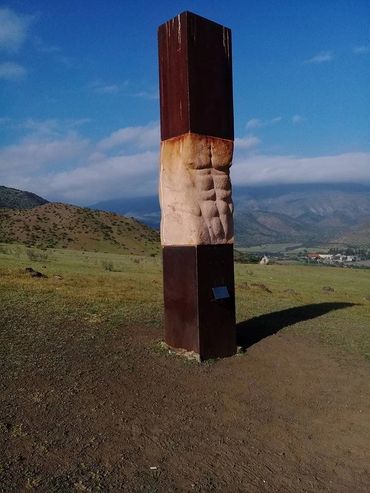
x=197, y=133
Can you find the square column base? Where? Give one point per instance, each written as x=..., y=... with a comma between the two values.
x=199, y=299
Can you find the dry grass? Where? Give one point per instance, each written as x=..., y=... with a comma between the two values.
x=79, y=285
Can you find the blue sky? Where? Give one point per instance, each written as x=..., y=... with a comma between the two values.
x=79, y=106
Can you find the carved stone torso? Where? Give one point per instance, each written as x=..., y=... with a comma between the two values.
x=195, y=190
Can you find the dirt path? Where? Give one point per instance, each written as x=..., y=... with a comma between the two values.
x=88, y=410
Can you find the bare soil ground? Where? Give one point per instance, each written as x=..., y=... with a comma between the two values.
x=98, y=410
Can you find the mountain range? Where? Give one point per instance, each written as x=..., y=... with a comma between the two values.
x=308, y=214
x=305, y=214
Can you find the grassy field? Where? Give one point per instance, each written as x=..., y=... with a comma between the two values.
x=90, y=403
x=109, y=288
x=113, y=288
x=272, y=289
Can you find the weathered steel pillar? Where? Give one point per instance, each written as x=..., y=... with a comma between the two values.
x=197, y=134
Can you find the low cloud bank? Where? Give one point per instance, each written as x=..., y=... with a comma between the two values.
x=67, y=167
x=268, y=170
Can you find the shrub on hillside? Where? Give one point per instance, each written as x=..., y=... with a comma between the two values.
x=107, y=265
x=35, y=255
x=4, y=250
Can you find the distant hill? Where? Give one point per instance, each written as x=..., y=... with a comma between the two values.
x=358, y=237
x=11, y=198
x=145, y=209
x=279, y=213
x=299, y=213
x=260, y=227
x=54, y=225
x=307, y=214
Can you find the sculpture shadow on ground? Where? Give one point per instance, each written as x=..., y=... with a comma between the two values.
x=255, y=329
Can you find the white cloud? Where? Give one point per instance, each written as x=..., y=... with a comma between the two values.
x=254, y=123
x=137, y=175
x=32, y=153
x=52, y=126
x=100, y=87
x=322, y=57
x=108, y=89
x=117, y=176
x=277, y=119
x=11, y=71
x=258, y=123
x=146, y=95
x=247, y=142
x=144, y=137
x=263, y=169
x=13, y=29
x=297, y=119
x=361, y=50
x=42, y=127
x=61, y=165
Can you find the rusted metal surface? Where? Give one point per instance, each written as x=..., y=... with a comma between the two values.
x=194, y=318
x=215, y=268
x=195, y=73
x=180, y=297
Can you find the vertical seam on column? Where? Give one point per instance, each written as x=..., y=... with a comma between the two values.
x=198, y=300
x=187, y=70
x=162, y=219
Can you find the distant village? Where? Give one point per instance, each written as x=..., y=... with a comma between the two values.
x=335, y=258
x=332, y=259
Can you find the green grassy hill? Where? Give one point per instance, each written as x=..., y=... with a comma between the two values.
x=54, y=225
x=11, y=198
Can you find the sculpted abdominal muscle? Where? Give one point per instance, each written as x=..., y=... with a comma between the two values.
x=195, y=178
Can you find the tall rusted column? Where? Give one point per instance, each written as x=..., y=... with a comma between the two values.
x=197, y=134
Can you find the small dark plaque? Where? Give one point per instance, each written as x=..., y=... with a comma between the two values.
x=220, y=293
